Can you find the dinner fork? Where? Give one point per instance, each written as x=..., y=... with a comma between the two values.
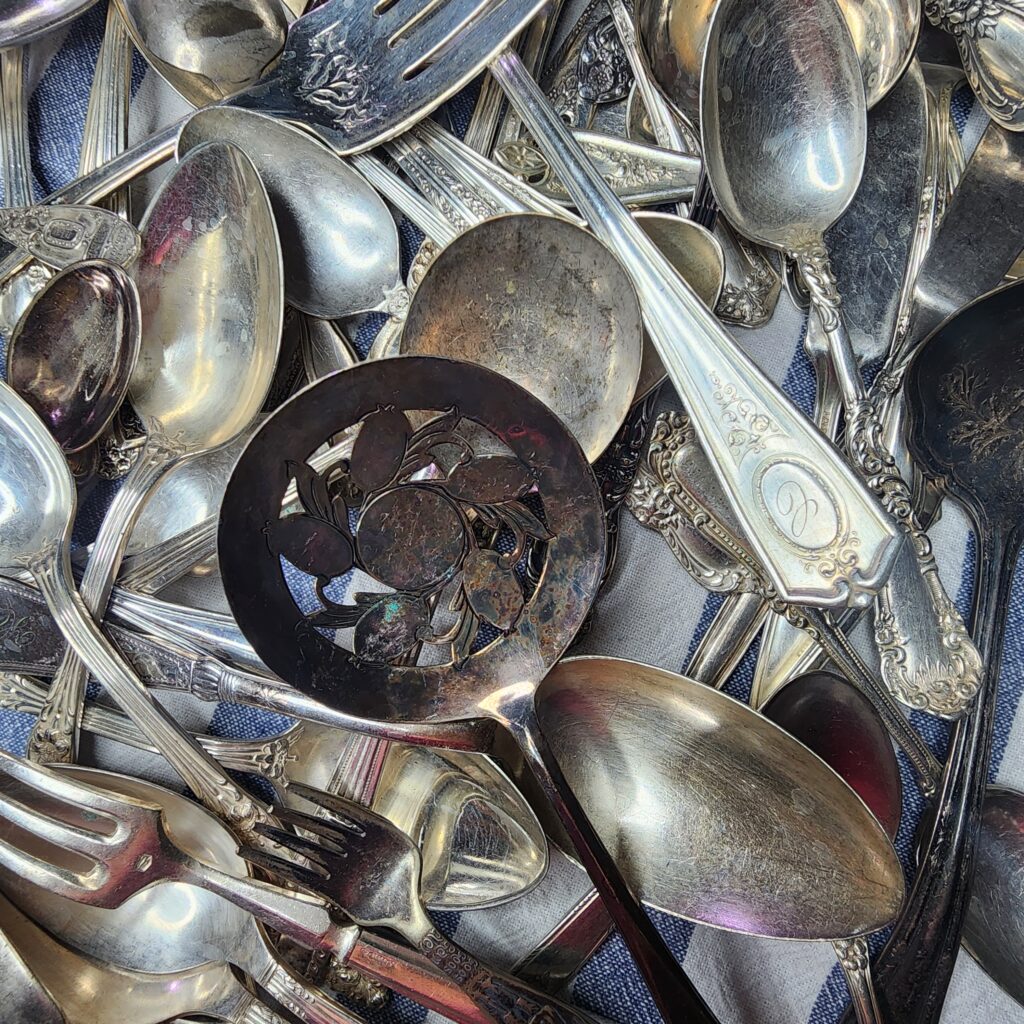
x=90, y=845
x=371, y=870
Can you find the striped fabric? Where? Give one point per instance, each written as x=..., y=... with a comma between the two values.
x=651, y=611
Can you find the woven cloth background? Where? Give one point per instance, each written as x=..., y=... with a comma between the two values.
x=651, y=611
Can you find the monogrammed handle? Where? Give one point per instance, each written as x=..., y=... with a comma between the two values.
x=822, y=537
x=503, y=998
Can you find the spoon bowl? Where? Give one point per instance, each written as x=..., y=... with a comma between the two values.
x=72, y=354
x=25, y=21
x=762, y=57
x=543, y=303
x=207, y=49
x=339, y=240
x=673, y=35
x=661, y=763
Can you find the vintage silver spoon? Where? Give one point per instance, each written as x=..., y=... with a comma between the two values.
x=809, y=179
x=37, y=506
x=339, y=240
x=74, y=350
x=210, y=282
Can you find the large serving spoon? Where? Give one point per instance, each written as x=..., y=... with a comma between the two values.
x=812, y=172
x=210, y=281
x=74, y=350
x=37, y=506
x=963, y=390
x=339, y=240
x=543, y=303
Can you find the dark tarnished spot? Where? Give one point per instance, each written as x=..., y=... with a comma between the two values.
x=311, y=545
x=489, y=480
x=411, y=538
x=492, y=589
x=390, y=627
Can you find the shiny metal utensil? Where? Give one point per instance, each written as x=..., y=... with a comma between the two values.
x=339, y=240
x=357, y=851
x=207, y=50
x=839, y=725
x=412, y=538
x=928, y=659
x=25, y=21
x=543, y=303
x=871, y=248
x=661, y=740
x=325, y=349
x=965, y=421
x=87, y=990
x=720, y=383
x=480, y=843
x=74, y=350
x=37, y=507
x=174, y=925
x=210, y=285
x=61, y=235
x=990, y=38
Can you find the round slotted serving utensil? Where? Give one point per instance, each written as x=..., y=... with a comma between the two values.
x=414, y=536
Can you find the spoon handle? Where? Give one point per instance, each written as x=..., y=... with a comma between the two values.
x=913, y=971
x=199, y=771
x=771, y=463
x=854, y=960
x=14, y=129
x=54, y=737
x=928, y=661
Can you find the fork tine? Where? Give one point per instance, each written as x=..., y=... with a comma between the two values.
x=297, y=844
x=326, y=828
x=427, y=35
x=62, y=787
x=345, y=811
x=62, y=880
x=489, y=33
x=282, y=868
x=408, y=13
x=55, y=831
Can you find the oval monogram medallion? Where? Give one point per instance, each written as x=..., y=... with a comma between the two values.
x=799, y=505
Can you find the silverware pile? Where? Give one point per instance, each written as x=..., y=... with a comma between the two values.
x=410, y=542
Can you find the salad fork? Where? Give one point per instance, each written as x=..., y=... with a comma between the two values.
x=371, y=870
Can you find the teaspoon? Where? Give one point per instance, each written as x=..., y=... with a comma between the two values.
x=73, y=352
x=810, y=178
x=210, y=282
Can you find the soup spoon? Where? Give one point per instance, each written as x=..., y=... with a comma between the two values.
x=74, y=350
x=210, y=282
x=928, y=660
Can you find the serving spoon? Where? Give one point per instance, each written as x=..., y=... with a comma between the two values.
x=543, y=303
x=74, y=350
x=339, y=240
x=928, y=660
x=210, y=282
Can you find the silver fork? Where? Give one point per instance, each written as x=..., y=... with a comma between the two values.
x=87, y=844
x=371, y=870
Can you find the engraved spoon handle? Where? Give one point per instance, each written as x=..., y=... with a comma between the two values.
x=928, y=660
x=764, y=452
x=14, y=129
